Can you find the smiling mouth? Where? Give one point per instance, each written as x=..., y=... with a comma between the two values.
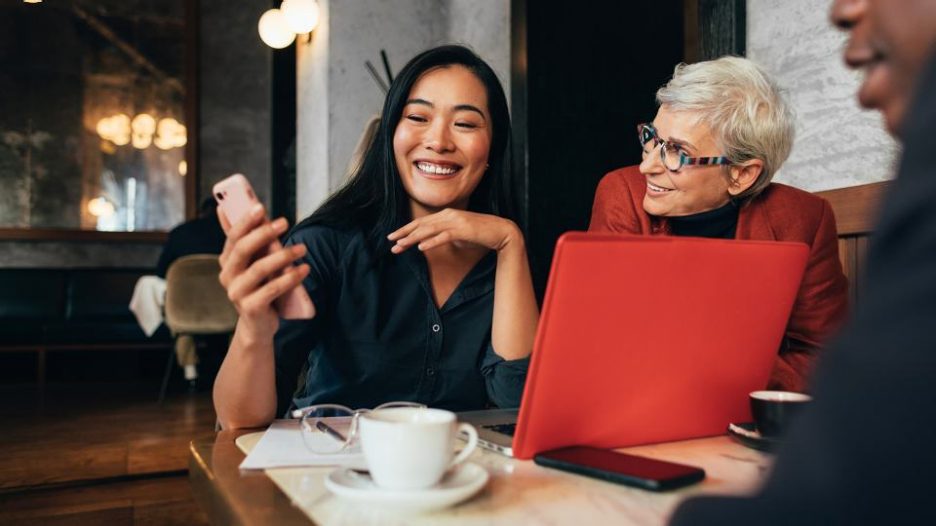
x=866, y=56
x=654, y=188
x=862, y=55
x=876, y=84
x=432, y=169
x=870, y=64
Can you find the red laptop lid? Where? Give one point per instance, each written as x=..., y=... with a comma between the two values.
x=654, y=339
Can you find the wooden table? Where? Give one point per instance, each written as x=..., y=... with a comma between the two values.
x=519, y=492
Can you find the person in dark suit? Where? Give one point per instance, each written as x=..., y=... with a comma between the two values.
x=202, y=235
x=862, y=452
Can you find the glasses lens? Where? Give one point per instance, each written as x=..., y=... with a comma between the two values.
x=327, y=428
x=645, y=135
x=671, y=159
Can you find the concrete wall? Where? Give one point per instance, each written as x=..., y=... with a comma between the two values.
x=235, y=83
x=336, y=95
x=837, y=144
x=485, y=27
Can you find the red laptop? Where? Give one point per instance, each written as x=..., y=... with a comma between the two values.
x=650, y=339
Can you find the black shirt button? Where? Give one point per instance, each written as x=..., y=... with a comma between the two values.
x=430, y=371
x=435, y=327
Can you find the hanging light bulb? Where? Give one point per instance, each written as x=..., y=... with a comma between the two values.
x=143, y=123
x=162, y=140
x=115, y=129
x=274, y=30
x=143, y=126
x=181, y=136
x=101, y=207
x=121, y=129
x=301, y=15
x=103, y=128
x=170, y=134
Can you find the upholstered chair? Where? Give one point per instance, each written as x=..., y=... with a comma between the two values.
x=196, y=304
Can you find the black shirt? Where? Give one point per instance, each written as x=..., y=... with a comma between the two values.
x=379, y=337
x=720, y=223
x=202, y=235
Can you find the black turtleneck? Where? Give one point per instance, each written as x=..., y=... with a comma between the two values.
x=719, y=223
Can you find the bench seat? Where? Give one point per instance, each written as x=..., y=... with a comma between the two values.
x=53, y=309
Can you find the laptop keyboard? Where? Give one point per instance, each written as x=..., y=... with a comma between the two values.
x=507, y=429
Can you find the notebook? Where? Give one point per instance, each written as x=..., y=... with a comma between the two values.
x=648, y=339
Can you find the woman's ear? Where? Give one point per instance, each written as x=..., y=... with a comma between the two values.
x=742, y=176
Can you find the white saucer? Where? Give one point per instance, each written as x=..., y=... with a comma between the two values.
x=455, y=487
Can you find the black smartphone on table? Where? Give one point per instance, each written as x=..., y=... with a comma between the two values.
x=632, y=470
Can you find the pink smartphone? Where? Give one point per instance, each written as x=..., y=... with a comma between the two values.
x=235, y=198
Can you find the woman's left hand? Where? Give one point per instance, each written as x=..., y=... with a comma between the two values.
x=456, y=227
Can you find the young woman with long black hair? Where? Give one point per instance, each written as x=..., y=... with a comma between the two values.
x=419, y=277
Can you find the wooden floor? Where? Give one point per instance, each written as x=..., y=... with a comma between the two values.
x=99, y=455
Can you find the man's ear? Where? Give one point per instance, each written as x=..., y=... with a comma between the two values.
x=742, y=176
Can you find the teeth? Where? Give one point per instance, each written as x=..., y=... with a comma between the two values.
x=435, y=169
x=657, y=188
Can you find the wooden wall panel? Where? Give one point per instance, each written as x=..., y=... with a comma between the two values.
x=862, y=244
x=855, y=207
x=855, y=211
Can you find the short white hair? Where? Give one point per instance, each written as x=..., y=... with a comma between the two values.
x=742, y=105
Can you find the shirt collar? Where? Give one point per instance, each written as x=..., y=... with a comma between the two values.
x=478, y=282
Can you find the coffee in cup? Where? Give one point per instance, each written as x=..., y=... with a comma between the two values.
x=412, y=447
x=773, y=410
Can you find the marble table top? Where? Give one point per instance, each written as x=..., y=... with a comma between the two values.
x=521, y=492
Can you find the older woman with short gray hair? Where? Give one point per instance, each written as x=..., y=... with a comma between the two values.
x=723, y=129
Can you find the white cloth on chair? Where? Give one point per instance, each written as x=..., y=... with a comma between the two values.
x=149, y=296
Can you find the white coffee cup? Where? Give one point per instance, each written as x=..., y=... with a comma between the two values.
x=412, y=447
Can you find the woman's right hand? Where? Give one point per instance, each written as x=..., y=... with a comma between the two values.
x=256, y=269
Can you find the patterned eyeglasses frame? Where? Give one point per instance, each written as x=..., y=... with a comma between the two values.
x=647, y=134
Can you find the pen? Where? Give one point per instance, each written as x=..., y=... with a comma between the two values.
x=330, y=431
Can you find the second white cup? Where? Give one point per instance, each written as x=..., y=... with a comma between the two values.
x=412, y=447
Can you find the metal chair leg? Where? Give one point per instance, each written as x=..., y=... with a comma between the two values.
x=165, y=381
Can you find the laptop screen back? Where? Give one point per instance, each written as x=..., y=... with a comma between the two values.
x=653, y=339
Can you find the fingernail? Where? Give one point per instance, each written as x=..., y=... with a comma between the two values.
x=298, y=249
x=280, y=224
x=256, y=210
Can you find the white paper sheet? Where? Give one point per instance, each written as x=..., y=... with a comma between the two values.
x=282, y=446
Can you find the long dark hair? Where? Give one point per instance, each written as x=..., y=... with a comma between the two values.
x=374, y=199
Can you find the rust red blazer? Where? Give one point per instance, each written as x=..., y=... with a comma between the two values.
x=779, y=213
